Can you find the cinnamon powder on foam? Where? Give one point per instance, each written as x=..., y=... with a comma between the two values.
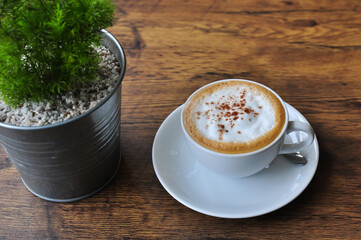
x=245, y=118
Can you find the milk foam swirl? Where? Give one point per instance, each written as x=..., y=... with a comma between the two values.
x=234, y=114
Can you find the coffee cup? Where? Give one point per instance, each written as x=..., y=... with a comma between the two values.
x=237, y=127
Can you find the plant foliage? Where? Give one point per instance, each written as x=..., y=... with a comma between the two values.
x=46, y=46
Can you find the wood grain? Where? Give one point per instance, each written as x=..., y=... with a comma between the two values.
x=307, y=51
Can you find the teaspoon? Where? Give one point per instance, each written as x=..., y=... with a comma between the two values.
x=296, y=158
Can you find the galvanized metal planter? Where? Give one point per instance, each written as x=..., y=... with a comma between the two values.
x=74, y=159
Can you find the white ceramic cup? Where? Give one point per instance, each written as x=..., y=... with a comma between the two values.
x=246, y=164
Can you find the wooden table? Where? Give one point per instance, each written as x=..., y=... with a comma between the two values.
x=307, y=51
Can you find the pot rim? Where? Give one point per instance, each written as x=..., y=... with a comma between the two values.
x=106, y=34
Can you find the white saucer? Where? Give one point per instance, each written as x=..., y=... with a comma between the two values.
x=203, y=191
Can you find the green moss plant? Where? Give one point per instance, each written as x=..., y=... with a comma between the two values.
x=47, y=46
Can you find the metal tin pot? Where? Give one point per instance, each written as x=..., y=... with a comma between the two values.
x=74, y=159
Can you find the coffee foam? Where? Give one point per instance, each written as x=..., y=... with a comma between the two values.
x=234, y=117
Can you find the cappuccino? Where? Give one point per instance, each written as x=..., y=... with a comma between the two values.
x=234, y=116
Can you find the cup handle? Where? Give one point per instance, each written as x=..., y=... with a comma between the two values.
x=296, y=147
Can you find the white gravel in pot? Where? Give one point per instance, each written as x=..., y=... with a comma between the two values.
x=67, y=106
